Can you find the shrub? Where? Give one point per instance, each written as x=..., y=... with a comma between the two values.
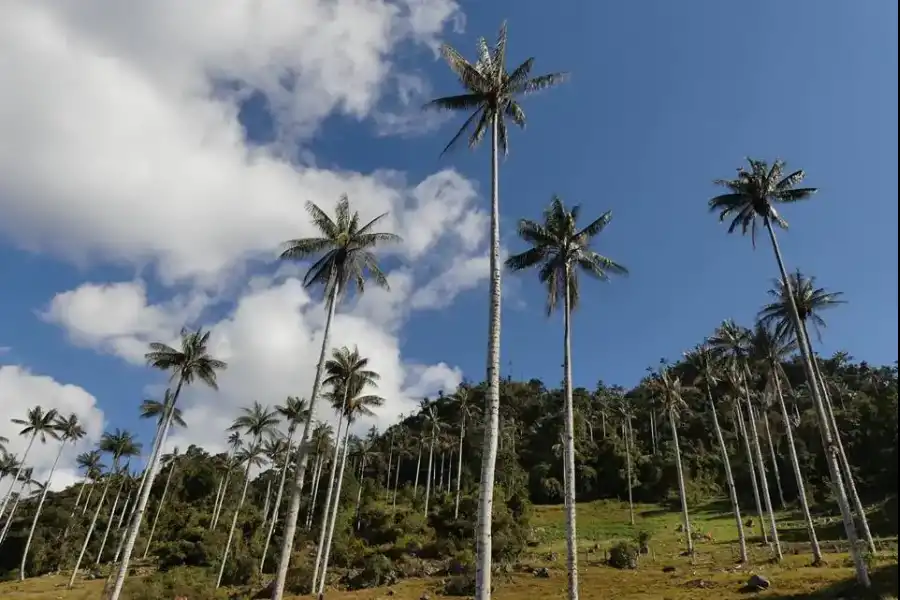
x=190, y=582
x=460, y=585
x=623, y=555
x=378, y=570
x=643, y=541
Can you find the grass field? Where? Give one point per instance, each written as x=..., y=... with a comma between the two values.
x=711, y=574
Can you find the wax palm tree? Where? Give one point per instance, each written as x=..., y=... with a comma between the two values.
x=357, y=404
x=703, y=362
x=491, y=96
x=463, y=399
x=809, y=301
x=37, y=425
x=365, y=450
x=91, y=463
x=434, y=424
x=3, y=442
x=296, y=412
x=125, y=481
x=402, y=451
x=25, y=484
x=346, y=372
x=559, y=250
x=187, y=364
x=626, y=414
x=322, y=441
x=235, y=444
x=170, y=460
x=256, y=423
x=119, y=444
x=672, y=393
x=732, y=344
x=751, y=198
x=344, y=257
x=68, y=431
x=275, y=450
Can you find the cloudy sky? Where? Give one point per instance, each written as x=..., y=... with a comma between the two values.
x=153, y=156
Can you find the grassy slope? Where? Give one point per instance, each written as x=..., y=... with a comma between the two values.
x=600, y=524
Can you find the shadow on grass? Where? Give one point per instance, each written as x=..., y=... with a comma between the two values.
x=884, y=583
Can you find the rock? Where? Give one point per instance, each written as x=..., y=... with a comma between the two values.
x=668, y=569
x=758, y=583
x=542, y=573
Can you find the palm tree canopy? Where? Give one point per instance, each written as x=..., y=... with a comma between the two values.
x=730, y=343
x=256, y=421
x=345, y=247
x=559, y=247
x=754, y=193
x=349, y=368
x=154, y=409
x=490, y=91
x=295, y=411
x=39, y=423
x=119, y=443
x=69, y=428
x=189, y=363
x=809, y=299
x=90, y=461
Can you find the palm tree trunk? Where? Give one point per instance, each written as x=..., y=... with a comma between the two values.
x=218, y=512
x=162, y=500
x=653, y=430
x=387, y=477
x=149, y=475
x=90, y=531
x=290, y=525
x=626, y=427
x=267, y=503
x=397, y=485
x=78, y=497
x=681, y=491
x=428, y=480
x=751, y=465
x=332, y=519
x=15, y=478
x=763, y=480
x=37, y=512
x=124, y=510
x=362, y=474
x=729, y=479
x=112, y=516
x=12, y=510
x=234, y=518
x=418, y=470
x=440, y=485
x=222, y=489
x=569, y=448
x=77, y=503
x=798, y=475
x=462, y=436
x=339, y=448
x=317, y=476
x=492, y=405
x=862, y=573
x=87, y=500
x=842, y=455
x=774, y=456
x=278, y=495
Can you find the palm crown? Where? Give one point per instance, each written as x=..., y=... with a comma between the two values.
x=490, y=90
x=39, y=424
x=755, y=192
x=191, y=362
x=256, y=421
x=119, y=444
x=295, y=410
x=808, y=298
x=560, y=248
x=69, y=428
x=154, y=409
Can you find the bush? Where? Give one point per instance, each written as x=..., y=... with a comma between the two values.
x=460, y=585
x=378, y=570
x=623, y=555
x=193, y=583
x=643, y=541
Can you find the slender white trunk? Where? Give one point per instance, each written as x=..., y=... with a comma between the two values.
x=795, y=463
x=862, y=572
x=87, y=500
x=159, y=507
x=278, y=495
x=653, y=429
x=317, y=476
x=569, y=449
x=339, y=447
x=290, y=525
x=428, y=479
x=681, y=491
x=112, y=516
x=362, y=474
x=440, y=485
x=751, y=465
x=763, y=480
x=462, y=436
x=492, y=401
x=78, y=497
x=90, y=531
x=774, y=457
x=267, y=503
x=335, y=505
x=37, y=512
x=149, y=475
x=729, y=479
x=234, y=518
x=12, y=510
x=77, y=503
x=418, y=470
x=122, y=514
x=397, y=485
x=15, y=478
x=626, y=428
x=387, y=477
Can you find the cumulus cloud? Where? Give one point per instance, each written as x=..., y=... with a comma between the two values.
x=21, y=390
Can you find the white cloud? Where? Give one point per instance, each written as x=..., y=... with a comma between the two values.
x=21, y=390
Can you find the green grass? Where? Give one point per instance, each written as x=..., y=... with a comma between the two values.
x=601, y=524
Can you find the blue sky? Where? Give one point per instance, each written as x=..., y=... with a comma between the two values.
x=664, y=98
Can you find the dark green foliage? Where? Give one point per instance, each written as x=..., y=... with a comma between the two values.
x=623, y=555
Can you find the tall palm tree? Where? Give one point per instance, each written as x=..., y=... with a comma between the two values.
x=707, y=377
x=37, y=424
x=752, y=197
x=626, y=415
x=732, y=344
x=404, y=451
x=256, y=422
x=125, y=480
x=25, y=483
x=235, y=444
x=186, y=365
x=809, y=301
x=365, y=450
x=295, y=412
x=344, y=251
x=462, y=397
x=93, y=467
x=434, y=423
x=559, y=249
x=357, y=404
x=119, y=444
x=491, y=96
x=68, y=430
x=347, y=372
x=769, y=349
x=321, y=440
x=172, y=461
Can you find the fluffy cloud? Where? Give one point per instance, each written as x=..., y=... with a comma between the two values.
x=21, y=390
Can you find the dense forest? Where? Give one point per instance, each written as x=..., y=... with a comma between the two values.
x=399, y=505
